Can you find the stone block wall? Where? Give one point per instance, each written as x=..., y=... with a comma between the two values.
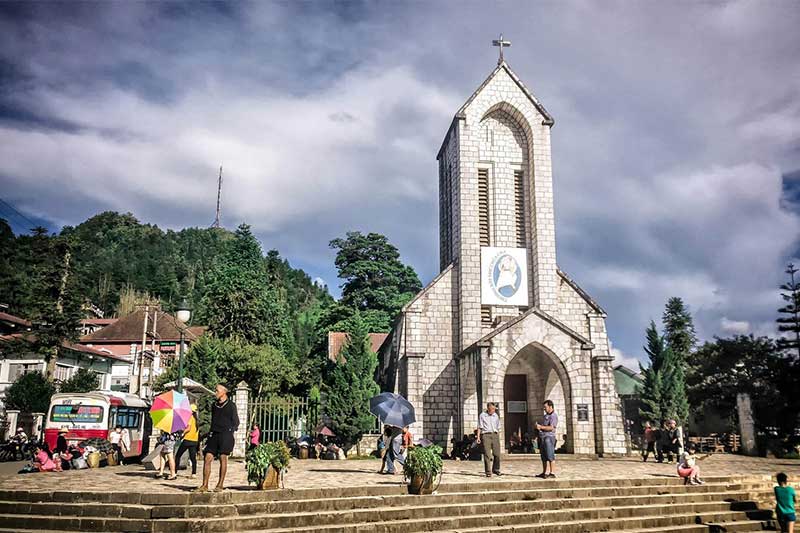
x=431, y=376
x=610, y=428
x=501, y=129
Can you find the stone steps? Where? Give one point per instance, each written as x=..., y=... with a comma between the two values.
x=728, y=504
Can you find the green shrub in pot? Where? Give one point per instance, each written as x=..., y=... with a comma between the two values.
x=261, y=458
x=423, y=465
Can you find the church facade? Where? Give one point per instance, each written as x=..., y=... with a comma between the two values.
x=501, y=322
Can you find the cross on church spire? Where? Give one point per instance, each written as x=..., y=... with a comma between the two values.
x=502, y=44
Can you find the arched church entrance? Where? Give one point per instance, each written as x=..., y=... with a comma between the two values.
x=534, y=375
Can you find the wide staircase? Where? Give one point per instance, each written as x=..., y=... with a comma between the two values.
x=641, y=505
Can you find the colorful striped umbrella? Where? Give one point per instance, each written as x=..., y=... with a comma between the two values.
x=171, y=411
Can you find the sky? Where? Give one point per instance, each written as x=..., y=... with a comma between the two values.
x=676, y=144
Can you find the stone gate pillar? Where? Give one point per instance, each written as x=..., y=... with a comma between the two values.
x=241, y=398
x=747, y=428
x=12, y=421
x=37, y=428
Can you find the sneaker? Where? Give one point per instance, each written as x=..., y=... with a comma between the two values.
x=488, y=474
x=701, y=482
x=193, y=476
x=551, y=475
x=498, y=474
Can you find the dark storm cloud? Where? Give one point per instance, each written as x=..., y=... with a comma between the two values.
x=675, y=149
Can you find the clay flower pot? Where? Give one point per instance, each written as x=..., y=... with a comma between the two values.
x=271, y=481
x=420, y=485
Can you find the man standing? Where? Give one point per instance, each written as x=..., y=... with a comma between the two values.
x=489, y=434
x=547, y=436
x=675, y=440
x=224, y=422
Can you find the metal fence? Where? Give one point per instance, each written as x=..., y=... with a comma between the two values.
x=282, y=417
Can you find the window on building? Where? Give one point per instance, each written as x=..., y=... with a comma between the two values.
x=519, y=203
x=62, y=372
x=15, y=370
x=483, y=206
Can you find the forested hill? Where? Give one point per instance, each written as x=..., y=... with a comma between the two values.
x=112, y=253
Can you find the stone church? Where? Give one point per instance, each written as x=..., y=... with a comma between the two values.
x=501, y=322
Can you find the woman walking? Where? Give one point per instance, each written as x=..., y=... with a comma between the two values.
x=190, y=443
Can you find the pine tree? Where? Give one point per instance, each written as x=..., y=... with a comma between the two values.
x=789, y=321
x=651, y=389
x=673, y=379
x=239, y=300
x=679, y=331
x=349, y=385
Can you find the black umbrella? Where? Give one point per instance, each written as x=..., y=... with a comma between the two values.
x=392, y=409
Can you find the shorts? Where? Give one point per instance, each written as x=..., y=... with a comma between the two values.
x=785, y=518
x=220, y=443
x=168, y=447
x=548, y=450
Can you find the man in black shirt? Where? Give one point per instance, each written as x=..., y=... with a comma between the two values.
x=224, y=422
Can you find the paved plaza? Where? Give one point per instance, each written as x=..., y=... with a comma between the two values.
x=354, y=473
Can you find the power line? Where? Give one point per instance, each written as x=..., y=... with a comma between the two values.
x=23, y=217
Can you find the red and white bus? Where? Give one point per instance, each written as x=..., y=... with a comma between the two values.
x=95, y=414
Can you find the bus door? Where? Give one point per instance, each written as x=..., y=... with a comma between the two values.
x=131, y=419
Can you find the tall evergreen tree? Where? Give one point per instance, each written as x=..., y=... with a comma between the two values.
x=348, y=386
x=651, y=388
x=679, y=331
x=789, y=319
x=239, y=300
x=663, y=390
x=375, y=280
x=673, y=379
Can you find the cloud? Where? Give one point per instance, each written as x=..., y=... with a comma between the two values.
x=625, y=360
x=675, y=151
x=739, y=327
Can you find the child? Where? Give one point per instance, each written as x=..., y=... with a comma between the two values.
x=687, y=467
x=784, y=503
x=255, y=437
x=167, y=441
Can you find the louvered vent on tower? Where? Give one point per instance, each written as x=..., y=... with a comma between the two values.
x=483, y=206
x=519, y=203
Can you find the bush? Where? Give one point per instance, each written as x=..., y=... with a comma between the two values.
x=84, y=380
x=260, y=458
x=425, y=462
x=30, y=393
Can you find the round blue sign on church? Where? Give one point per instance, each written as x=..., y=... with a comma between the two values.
x=506, y=276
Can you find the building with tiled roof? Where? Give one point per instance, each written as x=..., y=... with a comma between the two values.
x=337, y=339
x=18, y=356
x=10, y=324
x=162, y=335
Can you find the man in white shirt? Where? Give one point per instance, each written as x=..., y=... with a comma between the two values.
x=489, y=434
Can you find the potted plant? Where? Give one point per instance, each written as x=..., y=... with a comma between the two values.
x=422, y=467
x=266, y=464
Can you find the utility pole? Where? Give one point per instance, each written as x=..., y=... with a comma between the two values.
x=50, y=369
x=219, y=198
x=141, y=353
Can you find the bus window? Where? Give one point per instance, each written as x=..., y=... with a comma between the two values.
x=128, y=417
x=79, y=414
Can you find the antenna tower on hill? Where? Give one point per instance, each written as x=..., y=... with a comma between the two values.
x=216, y=223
